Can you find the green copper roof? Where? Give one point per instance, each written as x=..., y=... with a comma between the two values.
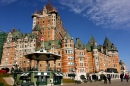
x=48, y=44
x=91, y=44
x=106, y=42
x=36, y=28
x=79, y=44
x=91, y=40
x=108, y=45
x=94, y=46
x=18, y=35
x=67, y=36
x=88, y=47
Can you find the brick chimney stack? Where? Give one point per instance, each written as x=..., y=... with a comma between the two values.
x=12, y=30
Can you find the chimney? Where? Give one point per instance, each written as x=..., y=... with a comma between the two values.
x=13, y=30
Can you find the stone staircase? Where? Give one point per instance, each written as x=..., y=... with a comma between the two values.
x=9, y=80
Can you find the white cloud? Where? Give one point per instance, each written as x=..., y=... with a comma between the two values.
x=7, y=1
x=113, y=14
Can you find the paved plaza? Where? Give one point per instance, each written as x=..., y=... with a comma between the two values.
x=101, y=83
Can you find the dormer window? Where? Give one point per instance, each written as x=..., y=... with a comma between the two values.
x=49, y=43
x=79, y=45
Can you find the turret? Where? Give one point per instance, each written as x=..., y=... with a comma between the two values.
x=109, y=47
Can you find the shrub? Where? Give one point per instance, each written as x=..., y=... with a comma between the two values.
x=68, y=80
x=78, y=82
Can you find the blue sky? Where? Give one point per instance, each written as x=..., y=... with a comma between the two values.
x=81, y=18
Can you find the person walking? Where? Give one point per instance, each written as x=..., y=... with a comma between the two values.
x=126, y=77
x=105, y=79
x=109, y=78
x=121, y=77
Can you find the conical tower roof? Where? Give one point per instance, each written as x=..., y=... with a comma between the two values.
x=67, y=36
x=106, y=42
x=108, y=45
x=91, y=40
x=79, y=44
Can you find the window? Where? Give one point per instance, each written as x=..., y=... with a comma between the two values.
x=115, y=65
x=81, y=59
x=58, y=52
x=81, y=64
x=40, y=65
x=70, y=63
x=58, y=64
x=70, y=69
x=66, y=51
x=81, y=70
x=70, y=57
x=96, y=63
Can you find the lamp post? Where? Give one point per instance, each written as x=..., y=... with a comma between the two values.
x=73, y=76
x=14, y=71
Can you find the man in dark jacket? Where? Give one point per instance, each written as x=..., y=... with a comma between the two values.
x=121, y=77
x=109, y=78
x=105, y=79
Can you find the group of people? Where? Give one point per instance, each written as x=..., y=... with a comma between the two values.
x=122, y=76
x=105, y=79
x=126, y=76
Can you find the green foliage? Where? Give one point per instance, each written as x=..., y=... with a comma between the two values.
x=78, y=82
x=4, y=75
x=82, y=77
x=85, y=81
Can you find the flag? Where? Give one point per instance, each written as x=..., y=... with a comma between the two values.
x=42, y=38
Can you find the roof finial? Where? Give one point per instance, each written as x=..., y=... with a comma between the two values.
x=48, y=1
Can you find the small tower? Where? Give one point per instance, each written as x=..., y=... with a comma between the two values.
x=67, y=54
x=95, y=56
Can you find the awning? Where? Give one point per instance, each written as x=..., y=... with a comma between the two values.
x=42, y=74
x=58, y=74
x=72, y=75
x=25, y=74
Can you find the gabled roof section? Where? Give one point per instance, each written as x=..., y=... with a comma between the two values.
x=79, y=44
x=31, y=36
x=18, y=35
x=49, y=8
x=49, y=44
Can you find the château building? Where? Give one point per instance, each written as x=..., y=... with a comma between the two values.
x=49, y=33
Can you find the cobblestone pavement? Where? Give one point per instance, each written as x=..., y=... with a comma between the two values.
x=101, y=83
